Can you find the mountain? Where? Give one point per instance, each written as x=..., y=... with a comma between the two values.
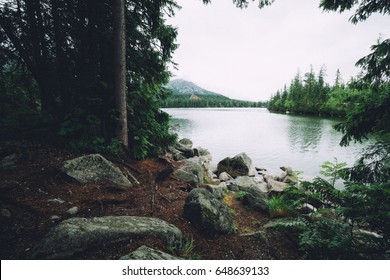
x=189, y=95
x=179, y=86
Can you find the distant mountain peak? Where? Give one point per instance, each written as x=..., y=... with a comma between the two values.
x=180, y=86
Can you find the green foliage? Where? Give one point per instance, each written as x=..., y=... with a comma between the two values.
x=148, y=125
x=187, y=247
x=373, y=165
x=369, y=116
x=56, y=59
x=206, y=101
x=279, y=207
x=326, y=239
x=336, y=230
x=364, y=10
x=240, y=195
x=333, y=170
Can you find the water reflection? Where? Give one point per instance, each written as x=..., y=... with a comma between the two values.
x=181, y=126
x=271, y=140
x=304, y=133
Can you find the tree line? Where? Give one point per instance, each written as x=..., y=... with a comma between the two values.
x=310, y=94
x=207, y=101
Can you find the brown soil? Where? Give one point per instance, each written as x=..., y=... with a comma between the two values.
x=25, y=194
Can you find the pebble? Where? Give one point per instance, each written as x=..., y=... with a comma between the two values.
x=5, y=213
x=73, y=210
x=56, y=200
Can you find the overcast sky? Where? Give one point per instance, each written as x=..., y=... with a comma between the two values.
x=249, y=54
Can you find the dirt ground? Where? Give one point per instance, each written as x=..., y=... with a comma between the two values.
x=35, y=196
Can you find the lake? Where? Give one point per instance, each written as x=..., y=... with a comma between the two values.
x=271, y=140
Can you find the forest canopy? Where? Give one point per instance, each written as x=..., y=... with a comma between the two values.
x=56, y=63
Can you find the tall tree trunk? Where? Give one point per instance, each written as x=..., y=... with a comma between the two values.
x=120, y=70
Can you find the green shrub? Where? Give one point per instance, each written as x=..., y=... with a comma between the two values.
x=279, y=207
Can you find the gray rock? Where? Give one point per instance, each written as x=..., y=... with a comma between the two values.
x=56, y=200
x=290, y=180
x=194, y=165
x=281, y=177
x=218, y=191
x=207, y=213
x=73, y=210
x=255, y=199
x=205, y=158
x=9, y=162
x=232, y=186
x=78, y=234
x=93, y=168
x=259, y=169
x=287, y=169
x=187, y=177
x=184, y=150
x=178, y=156
x=55, y=217
x=245, y=182
x=146, y=253
x=5, y=213
x=240, y=165
x=276, y=186
x=186, y=142
x=224, y=176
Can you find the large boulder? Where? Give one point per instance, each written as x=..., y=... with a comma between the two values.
x=92, y=168
x=191, y=171
x=146, y=253
x=224, y=177
x=184, y=150
x=245, y=182
x=194, y=165
x=78, y=234
x=218, y=191
x=240, y=165
x=187, y=177
x=276, y=186
x=207, y=213
x=255, y=199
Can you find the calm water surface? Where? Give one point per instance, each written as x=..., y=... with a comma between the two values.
x=271, y=140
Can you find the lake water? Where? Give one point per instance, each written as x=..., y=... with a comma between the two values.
x=271, y=140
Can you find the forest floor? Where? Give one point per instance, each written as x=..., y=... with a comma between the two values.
x=35, y=196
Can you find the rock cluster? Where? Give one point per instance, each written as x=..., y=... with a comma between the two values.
x=204, y=206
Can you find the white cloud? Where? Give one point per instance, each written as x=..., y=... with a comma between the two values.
x=249, y=54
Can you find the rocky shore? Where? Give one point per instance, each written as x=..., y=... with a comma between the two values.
x=210, y=198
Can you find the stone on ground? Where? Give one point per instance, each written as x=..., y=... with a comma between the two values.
x=78, y=234
x=146, y=253
x=92, y=168
x=240, y=165
x=206, y=212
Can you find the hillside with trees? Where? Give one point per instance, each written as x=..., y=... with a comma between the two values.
x=184, y=94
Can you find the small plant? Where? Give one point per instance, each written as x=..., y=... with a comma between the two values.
x=234, y=229
x=278, y=207
x=240, y=195
x=187, y=247
x=333, y=170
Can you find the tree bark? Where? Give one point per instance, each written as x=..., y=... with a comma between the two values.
x=120, y=69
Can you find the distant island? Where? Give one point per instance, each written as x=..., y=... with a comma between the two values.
x=185, y=94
